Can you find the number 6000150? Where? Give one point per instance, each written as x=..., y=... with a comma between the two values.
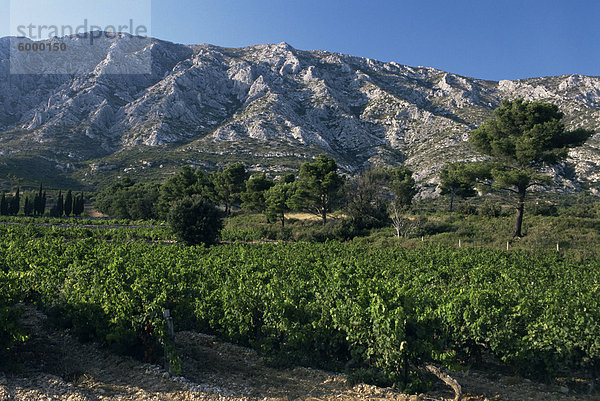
x=42, y=47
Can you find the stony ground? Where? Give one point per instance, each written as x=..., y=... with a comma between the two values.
x=54, y=366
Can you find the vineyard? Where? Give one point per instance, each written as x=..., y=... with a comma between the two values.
x=379, y=312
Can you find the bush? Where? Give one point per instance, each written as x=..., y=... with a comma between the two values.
x=466, y=209
x=489, y=209
x=194, y=220
x=544, y=209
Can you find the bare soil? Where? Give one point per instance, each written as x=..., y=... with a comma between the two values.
x=52, y=366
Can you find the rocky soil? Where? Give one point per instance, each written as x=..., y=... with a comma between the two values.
x=54, y=366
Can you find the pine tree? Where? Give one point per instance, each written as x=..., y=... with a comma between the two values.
x=68, y=206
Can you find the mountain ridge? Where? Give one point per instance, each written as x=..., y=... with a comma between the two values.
x=271, y=106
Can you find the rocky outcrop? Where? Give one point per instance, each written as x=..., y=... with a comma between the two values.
x=273, y=100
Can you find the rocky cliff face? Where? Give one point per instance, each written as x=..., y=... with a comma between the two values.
x=271, y=106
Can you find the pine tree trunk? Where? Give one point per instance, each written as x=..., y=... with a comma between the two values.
x=519, y=213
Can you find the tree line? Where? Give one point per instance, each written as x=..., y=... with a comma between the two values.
x=516, y=144
x=35, y=204
x=317, y=188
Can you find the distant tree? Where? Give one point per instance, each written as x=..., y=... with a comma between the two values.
x=15, y=203
x=229, y=184
x=367, y=207
x=254, y=196
x=319, y=189
x=60, y=204
x=127, y=199
x=277, y=201
x=195, y=220
x=187, y=182
x=57, y=209
x=78, y=205
x=288, y=178
x=521, y=138
x=68, y=205
x=402, y=185
x=404, y=189
x=460, y=179
x=3, y=205
x=28, y=206
x=43, y=204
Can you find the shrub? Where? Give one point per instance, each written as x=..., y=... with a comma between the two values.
x=466, y=209
x=544, y=209
x=194, y=220
x=489, y=209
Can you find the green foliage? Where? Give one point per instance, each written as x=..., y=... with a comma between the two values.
x=11, y=292
x=319, y=189
x=229, y=185
x=389, y=309
x=68, y=205
x=195, y=220
x=366, y=207
x=522, y=137
x=58, y=208
x=489, y=209
x=126, y=199
x=402, y=185
x=187, y=182
x=460, y=179
x=14, y=205
x=544, y=209
x=3, y=205
x=526, y=134
x=254, y=196
x=79, y=205
x=277, y=201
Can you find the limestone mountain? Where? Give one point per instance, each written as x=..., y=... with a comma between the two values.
x=271, y=106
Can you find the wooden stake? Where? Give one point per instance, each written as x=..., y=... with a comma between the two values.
x=169, y=321
x=459, y=244
x=507, y=245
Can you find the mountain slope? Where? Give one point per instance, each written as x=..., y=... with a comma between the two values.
x=271, y=106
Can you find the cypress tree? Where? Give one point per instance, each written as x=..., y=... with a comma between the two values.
x=59, y=204
x=3, y=205
x=78, y=204
x=37, y=202
x=15, y=203
x=68, y=206
x=28, y=207
x=43, y=204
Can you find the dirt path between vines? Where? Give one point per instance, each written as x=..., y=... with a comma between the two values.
x=54, y=366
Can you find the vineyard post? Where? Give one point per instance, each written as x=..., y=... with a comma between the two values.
x=169, y=321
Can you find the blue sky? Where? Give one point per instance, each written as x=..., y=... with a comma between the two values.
x=504, y=39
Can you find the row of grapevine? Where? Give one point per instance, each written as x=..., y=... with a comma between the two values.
x=322, y=304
